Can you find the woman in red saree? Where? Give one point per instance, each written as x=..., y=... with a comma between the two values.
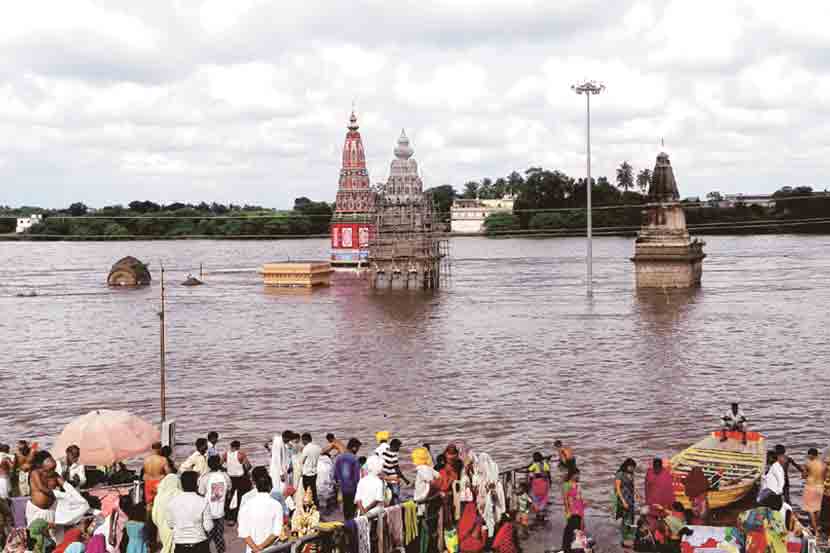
x=472, y=536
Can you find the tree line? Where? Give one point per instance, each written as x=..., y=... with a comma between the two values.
x=552, y=200
x=147, y=218
x=544, y=200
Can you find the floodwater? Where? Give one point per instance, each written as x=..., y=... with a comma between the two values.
x=510, y=355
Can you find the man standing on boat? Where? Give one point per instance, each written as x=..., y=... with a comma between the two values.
x=734, y=421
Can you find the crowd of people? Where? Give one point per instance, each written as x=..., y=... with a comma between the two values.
x=185, y=507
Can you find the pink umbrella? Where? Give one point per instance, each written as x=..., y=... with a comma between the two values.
x=106, y=437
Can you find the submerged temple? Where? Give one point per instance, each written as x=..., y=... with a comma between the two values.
x=664, y=254
x=352, y=224
x=406, y=251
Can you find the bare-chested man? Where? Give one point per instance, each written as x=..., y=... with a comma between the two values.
x=814, y=470
x=335, y=447
x=23, y=464
x=42, y=504
x=156, y=467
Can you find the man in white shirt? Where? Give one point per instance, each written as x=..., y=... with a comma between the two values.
x=775, y=479
x=71, y=469
x=214, y=487
x=308, y=459
x=260, y=517
x=734, y=421
x=370, y=494
x=189, y=517
x=197, y=461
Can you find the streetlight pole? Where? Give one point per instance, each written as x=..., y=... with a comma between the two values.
x=162, y=353
x=589, y=88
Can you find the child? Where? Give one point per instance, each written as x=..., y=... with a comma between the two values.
x=675, y=528
x=574, y=538
x=523, y=503
x=572, y=495
x=135, y=531
x=539, y=479
x=643, y=538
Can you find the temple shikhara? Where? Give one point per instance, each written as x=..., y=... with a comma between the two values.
x=352, y=225
x=406, y=251
x=391, y=231
x=664, y=254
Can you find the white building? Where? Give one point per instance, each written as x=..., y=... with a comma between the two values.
x=468, y=215
x=25, y=223
x=763, y=200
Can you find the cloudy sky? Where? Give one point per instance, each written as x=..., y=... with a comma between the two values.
x=247, y=100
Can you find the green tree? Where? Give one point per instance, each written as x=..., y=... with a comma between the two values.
x=486, y=190
x=443, y=196
x=114, y=229
x=498, y=223
x=625, y=176
x=644, y=180
x=470, y=190
x=78, y=209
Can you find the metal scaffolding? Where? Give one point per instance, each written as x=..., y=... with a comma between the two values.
x=408, y=250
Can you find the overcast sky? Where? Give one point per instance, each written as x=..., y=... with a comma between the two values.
x=246, y=101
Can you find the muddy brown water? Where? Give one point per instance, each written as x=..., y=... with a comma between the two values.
x=510, y=356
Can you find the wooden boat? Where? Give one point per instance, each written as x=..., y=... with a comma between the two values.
x=732, y=468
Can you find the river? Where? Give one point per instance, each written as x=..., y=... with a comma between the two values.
x=510, y=355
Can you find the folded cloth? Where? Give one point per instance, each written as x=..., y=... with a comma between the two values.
x=410, y=511
x=150, y=489
x=33, y=513
x=19, y=511
x=381, y=530
x=394, y=517
x=364, y=542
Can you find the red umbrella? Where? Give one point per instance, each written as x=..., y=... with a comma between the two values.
x=106, y=437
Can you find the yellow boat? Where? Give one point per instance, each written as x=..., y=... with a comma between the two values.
x=731, y=467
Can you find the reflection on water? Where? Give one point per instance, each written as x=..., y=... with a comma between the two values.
x=511, y=356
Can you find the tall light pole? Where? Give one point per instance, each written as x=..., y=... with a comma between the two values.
x=163, y=353
x=589, y=88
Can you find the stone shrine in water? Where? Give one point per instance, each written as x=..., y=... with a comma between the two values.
x=352, y=224
x=664, y=254
x=406, y=251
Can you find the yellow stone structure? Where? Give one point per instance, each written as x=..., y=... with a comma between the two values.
x=297, y=274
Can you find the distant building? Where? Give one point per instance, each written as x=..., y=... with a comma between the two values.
x=763, y=200
x=25, y=223
x=468, y=215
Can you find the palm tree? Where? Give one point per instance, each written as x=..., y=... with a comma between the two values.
x=625, y=176
x=644, y=180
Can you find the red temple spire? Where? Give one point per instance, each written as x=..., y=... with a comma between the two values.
x=352, y=223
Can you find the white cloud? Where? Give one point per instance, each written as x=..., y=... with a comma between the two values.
x=248, y=101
